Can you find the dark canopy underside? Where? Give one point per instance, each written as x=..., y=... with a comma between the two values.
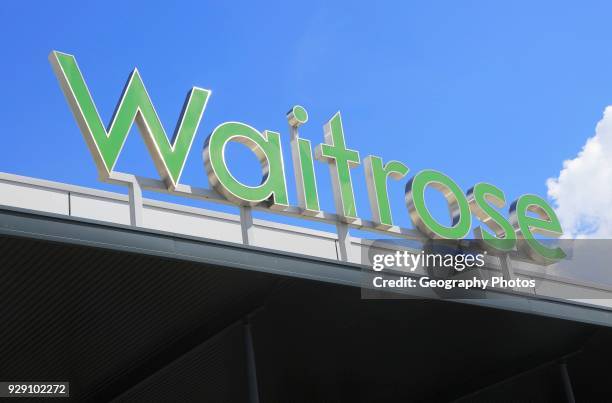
x=135, y=327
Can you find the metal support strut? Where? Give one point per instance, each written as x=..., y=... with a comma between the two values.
x=250, y=358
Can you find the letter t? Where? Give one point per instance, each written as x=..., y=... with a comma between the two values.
x=340, y=160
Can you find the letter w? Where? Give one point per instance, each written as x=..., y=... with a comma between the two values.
x=134, y=105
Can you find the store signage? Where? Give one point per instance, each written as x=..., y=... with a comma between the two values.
x=528, y=215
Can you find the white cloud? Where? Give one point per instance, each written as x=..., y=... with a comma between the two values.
x=583, y=190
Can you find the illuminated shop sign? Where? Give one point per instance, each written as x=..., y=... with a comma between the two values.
x=527, y=216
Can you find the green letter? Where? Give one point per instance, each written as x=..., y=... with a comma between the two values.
x=480, y=198
x=376, y=180
x=135, y=104
x=267, y=148
x=340, y=160
x=303, y=168
x=458, y=206
x=547, y=224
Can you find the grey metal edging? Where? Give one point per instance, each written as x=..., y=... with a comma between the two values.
x=59, y=228
x=341, y=247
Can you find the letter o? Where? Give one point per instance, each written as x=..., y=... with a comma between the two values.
x=458, y=206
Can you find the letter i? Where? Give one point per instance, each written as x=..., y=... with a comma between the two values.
x=303, y=167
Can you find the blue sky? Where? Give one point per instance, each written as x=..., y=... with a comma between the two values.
x=501, y=92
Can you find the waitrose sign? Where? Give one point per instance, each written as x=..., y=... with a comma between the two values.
x=527, y=217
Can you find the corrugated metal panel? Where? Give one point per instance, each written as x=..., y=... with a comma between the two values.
x=212, y=372
x=105, y=320
x=143, y=326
